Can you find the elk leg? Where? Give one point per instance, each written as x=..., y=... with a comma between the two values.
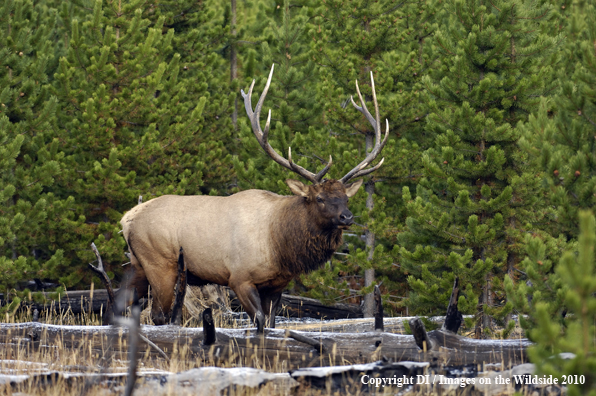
x=162, y=291
x=270, y=302
x=179, y=291
x=249, y=297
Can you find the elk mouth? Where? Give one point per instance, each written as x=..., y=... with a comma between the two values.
x=346, y=219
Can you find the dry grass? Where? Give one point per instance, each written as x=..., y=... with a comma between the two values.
x=18, y=357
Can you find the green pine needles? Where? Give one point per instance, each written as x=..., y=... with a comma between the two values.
x=477, y=196
x=490, y=160
x=576, y=274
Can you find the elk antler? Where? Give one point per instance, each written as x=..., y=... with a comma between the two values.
x=262, y=136
x=359, y=170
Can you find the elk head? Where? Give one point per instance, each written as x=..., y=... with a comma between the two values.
x=329, y=200
x=328, y=197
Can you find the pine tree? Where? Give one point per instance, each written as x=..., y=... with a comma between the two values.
x=405, y=68
x=560, y=137
x=540, y=282
x=576, y=273
x=350, y=39
x=477, y=197
x=564, y=141
x=286, y=45
x=31, y=156
x=133, y=122
x=201, y=38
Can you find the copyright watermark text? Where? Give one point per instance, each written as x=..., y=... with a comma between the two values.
x=462, y=382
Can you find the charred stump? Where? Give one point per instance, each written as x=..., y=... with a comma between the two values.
x=378, y=310
x=420, y=334
x=454, y=318
x=209, y=336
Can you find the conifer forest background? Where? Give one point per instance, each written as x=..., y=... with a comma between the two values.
x=489, y=172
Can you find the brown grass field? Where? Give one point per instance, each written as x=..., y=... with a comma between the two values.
x=105, y=368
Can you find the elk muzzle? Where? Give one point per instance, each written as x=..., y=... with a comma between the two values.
x=346, y=218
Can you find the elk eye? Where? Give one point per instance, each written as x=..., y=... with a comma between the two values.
x=319, y=199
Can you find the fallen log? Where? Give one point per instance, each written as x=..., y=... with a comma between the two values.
x=360, y=378
x=318, y=345
x=78, y=302
x=245, y=347
x=434, y=343
x=205, y=381
x=86, y=301
x=304, y=307
x=372, y=378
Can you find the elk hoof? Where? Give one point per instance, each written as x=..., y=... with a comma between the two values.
x=260, y=322
x=160, y=319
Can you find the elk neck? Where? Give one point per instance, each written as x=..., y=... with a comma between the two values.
x=300, y=243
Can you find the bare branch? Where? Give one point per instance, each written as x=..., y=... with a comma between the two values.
x=318, y=345
x=99, y=270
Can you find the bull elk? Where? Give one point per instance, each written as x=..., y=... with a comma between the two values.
x=253, y=241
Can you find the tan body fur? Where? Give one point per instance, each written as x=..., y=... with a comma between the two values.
x=254, y=241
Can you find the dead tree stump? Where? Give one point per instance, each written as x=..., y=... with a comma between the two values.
x=454, y=318
x=378, y=310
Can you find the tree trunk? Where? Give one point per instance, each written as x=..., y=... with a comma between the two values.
x=368, y=309
x=488, y=301
x=510, y=269
x=234, y=61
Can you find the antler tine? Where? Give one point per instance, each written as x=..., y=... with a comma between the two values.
x=247, y=99
x=263, y=135
x=360, y=170
x=377, y=125
x=324, y=171
x=319, y=176
x=364, y=109
x=263, y=95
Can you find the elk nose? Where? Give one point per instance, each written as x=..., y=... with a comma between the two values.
x=346, y=218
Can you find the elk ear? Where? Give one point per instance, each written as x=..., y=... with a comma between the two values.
x=297, y=187
x=352, y=188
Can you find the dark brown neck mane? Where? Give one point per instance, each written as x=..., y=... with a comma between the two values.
x=299, y=244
